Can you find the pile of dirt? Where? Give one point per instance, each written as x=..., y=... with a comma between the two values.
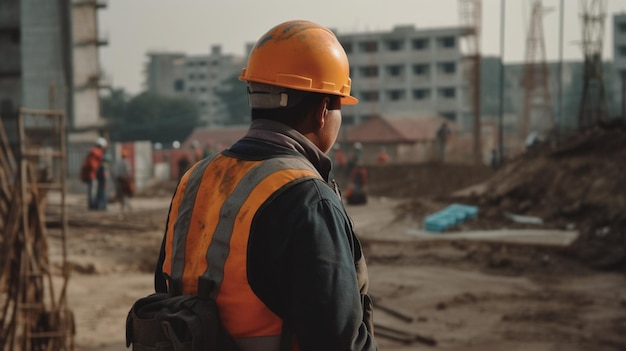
x=578, y=183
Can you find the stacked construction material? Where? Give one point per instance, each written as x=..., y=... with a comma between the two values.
x=33, y=316
x=449, y=217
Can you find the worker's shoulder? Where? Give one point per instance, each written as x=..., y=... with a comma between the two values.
x=250, y=149
x=307, y=192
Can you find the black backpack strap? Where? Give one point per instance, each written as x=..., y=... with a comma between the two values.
x=160, y=284
x=286, y=337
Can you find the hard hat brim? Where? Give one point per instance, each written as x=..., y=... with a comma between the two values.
x=345, y=99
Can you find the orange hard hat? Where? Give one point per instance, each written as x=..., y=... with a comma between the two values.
x=124, y=153
x=301, y=55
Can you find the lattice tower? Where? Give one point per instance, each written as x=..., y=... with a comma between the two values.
x=470, y=12
x=537, y=115
x=593, y=104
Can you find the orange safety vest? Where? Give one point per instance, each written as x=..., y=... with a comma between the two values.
x=212, y=212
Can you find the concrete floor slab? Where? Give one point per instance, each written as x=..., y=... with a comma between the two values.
x=547, y=237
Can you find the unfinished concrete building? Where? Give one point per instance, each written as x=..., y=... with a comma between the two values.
x=50, y=61
x=195, y=77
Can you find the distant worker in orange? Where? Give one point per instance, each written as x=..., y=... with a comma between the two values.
x=88, y=171
x=383, y=157
x=357, y=189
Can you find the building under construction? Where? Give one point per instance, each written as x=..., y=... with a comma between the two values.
x=50, y=61
x=50, y=85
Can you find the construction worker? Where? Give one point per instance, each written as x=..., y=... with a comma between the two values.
x=294, y=267
x=357, y=187
x=124, y=184
x=103, y=176
x=88, y=171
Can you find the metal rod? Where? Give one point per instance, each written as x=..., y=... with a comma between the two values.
x=559, y=108
x=501, y=107
x=30, y=111
x=624, y=95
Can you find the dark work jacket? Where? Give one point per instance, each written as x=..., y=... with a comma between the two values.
x=303, y=255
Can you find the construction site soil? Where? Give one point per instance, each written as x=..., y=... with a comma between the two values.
x=455, y=294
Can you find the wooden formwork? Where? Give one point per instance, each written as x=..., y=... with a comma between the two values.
x=33, y=316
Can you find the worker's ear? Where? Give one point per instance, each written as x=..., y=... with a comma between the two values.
x=322, y=112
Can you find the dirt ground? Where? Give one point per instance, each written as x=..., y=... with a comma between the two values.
x=460, y=294
x=488, y=284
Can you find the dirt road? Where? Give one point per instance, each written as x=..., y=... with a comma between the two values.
x=463, y=294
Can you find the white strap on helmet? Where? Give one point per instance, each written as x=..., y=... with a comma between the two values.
x=267, y=96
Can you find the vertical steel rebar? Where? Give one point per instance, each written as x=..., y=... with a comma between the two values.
x=558, y=120
x=501, y=106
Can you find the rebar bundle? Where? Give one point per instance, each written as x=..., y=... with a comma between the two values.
x=32, y=317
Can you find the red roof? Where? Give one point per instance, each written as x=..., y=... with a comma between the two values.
x=375, y=130
x=396, y=130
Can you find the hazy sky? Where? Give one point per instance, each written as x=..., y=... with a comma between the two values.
x=135, y=27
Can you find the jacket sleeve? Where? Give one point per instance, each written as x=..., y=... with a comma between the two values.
x=312, y=254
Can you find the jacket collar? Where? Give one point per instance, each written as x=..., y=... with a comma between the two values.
x=283, y=135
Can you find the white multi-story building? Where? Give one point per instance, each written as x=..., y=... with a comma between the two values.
x=407, y=71
x=165, y=74
x=221, y=67
x=196, y=77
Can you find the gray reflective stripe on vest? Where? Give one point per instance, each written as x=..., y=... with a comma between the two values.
x=181, y=225
x=220, y=244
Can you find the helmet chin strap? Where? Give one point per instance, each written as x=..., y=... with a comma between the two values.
x=284, y=98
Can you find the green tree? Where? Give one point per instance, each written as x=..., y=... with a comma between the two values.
x=149, y=116
x=234, y=95
x=114, y=104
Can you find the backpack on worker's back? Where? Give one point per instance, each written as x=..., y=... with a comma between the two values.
x=170, y=321
x=85, y=170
